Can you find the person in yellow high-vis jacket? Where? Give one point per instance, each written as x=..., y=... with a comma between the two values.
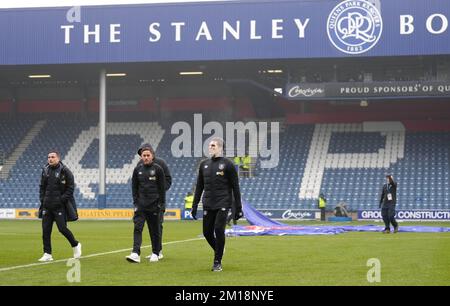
x=322, y=206
x=188, y=200
x=246, y=164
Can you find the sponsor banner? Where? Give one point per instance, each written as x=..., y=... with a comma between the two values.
x=305, y=91
x=361, y=90
x=187, y=214
x=289, y=214
x=26, y=213
x=170, y=214
x=435, y=215
x=7, y=213
x=105, y=213
x=231, y=30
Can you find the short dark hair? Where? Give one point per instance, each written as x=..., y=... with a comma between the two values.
x=54, y=151
x=147, y=149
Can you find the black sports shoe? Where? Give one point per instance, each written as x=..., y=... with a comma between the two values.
x=217, y=267
x=396, y=229
x=386, y=231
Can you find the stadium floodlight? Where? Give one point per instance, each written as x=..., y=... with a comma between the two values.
x=39, y=76
x=116, y=74
x=275, y=71
x=191, y=73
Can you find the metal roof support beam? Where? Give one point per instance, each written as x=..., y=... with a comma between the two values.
x=102, y=142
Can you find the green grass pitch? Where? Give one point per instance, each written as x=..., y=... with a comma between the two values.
x=405, y=258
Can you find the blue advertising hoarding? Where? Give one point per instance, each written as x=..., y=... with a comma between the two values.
x=224, y=31
x=290, y=214
x=278, y=214
x=359, y=90
x=187, y=214
x=432, y=215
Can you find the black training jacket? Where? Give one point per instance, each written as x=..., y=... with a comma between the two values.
x=389, y=188
x=56, y=187
x=218, y=179
x=162, y=163
x=148, y=187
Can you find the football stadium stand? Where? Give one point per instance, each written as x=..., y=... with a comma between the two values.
x=346, y=162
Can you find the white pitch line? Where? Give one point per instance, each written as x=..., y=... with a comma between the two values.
x=90, y=256
x=13, y=234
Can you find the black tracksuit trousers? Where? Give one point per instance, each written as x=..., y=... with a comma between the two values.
x=59, y=216
x=153, y=223
x=161, y=221
x=388, y=214
x=214, y=223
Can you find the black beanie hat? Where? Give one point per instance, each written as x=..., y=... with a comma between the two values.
x=146, y=146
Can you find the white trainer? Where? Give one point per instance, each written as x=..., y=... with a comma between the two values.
x=46, y=257
x=154, y=258
x=134, y=257
x=77, y=251
x=160, y=256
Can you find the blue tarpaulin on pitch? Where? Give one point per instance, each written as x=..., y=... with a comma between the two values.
x=261, y=225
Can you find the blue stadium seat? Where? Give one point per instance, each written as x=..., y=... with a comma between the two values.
x=422, y=173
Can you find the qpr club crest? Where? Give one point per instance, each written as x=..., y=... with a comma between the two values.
x=152, y=172
x=221, y=166
x=354, y=26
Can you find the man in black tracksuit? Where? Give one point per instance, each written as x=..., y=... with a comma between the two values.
x=218, y=179
x=55, y=190
x=148, y=187
x=387, y=204
x=168, y=182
